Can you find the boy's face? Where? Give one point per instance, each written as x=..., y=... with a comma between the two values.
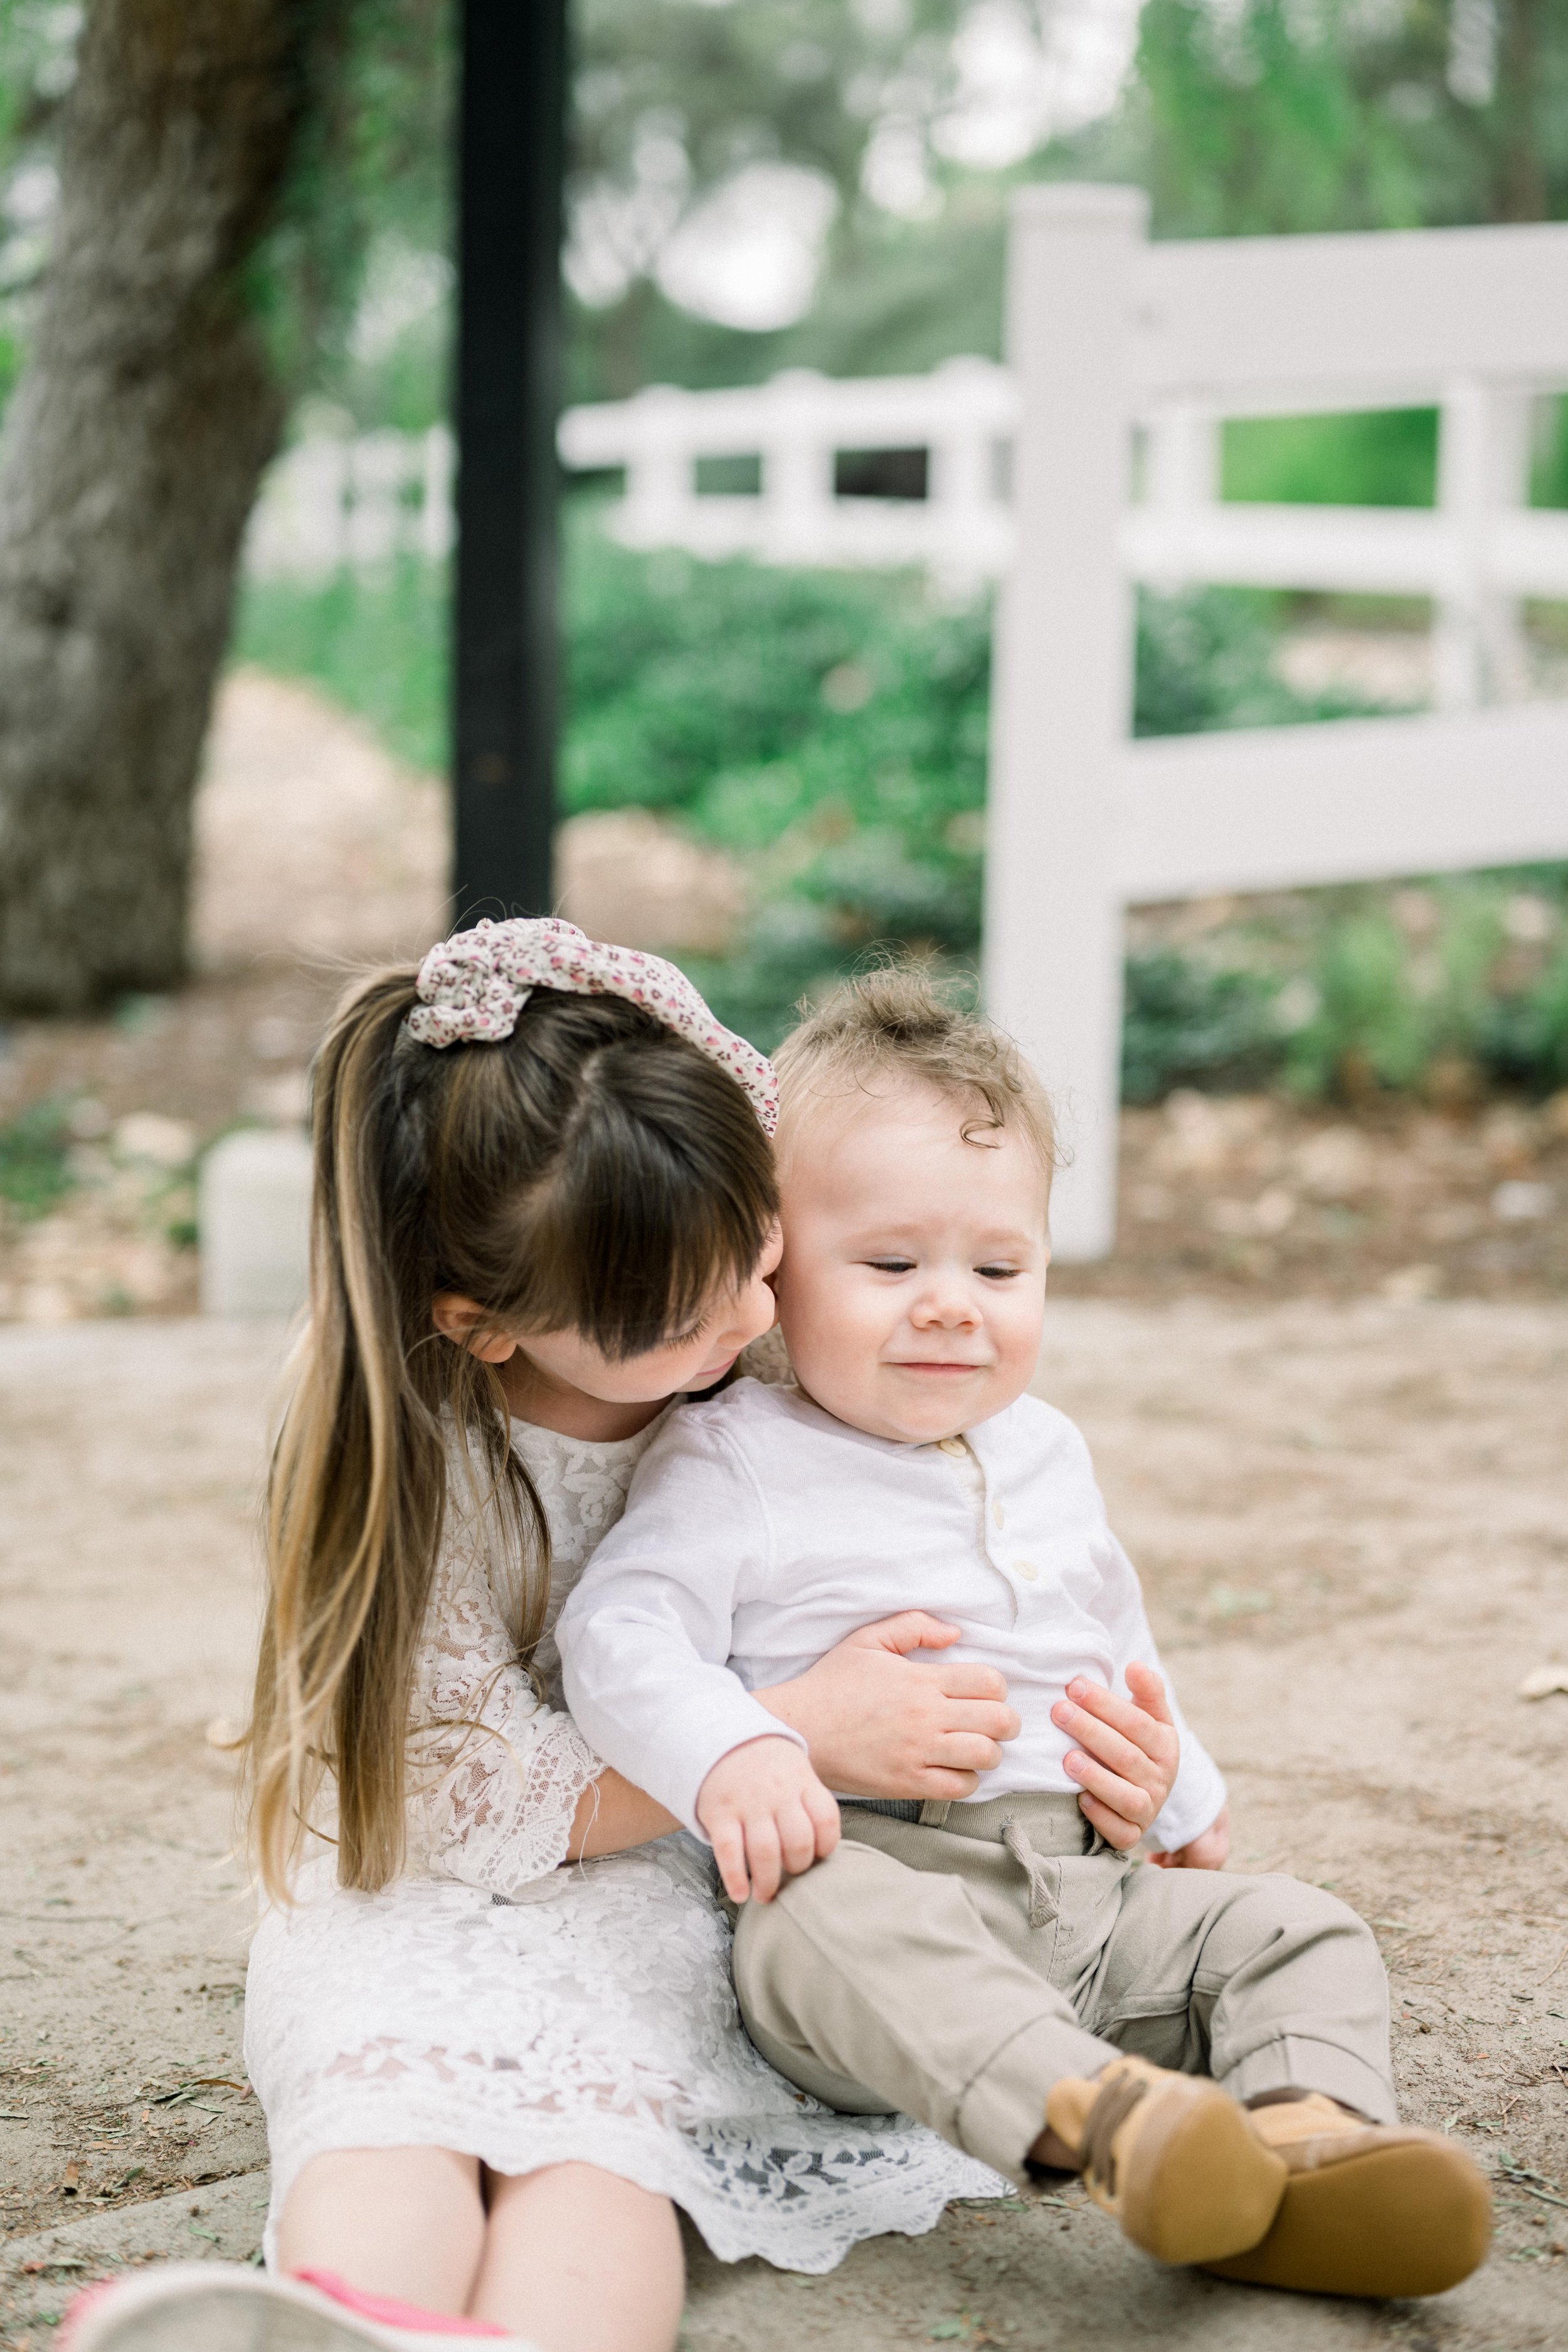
x=912, y=1284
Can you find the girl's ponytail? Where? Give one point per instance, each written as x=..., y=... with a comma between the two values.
x=355, y=1492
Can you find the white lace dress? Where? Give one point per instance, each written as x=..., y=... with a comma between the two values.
x=492, y=2002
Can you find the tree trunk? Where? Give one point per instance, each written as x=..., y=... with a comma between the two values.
x=129, y=464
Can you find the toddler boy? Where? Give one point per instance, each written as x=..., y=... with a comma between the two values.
x=1210, y=2049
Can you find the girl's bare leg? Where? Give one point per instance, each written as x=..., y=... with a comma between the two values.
x=577, y=2260
x=408, y=2222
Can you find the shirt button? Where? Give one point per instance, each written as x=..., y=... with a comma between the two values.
x=999, y=1515
x=1027, y=1569
x=954, y=1446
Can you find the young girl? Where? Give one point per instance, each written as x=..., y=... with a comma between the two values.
x=544, y=1206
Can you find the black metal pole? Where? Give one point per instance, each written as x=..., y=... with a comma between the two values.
x=505, y=664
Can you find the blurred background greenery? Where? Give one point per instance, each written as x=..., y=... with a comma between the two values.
x=830, y=730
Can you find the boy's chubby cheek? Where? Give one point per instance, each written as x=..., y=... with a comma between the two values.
x=820, y=1329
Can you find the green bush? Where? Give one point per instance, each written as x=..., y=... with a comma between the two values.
x=1391, y=1009
x=1188, y=1022
x=1368, y=1027
x=1204, y=661
x=34, y=1167
x=1522, y=1034
x=829, y=730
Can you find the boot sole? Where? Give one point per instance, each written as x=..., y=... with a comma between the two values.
x=1200, y=2185
x=1412, y=2219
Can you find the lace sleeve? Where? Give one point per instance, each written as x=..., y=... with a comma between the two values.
x=494, y=1774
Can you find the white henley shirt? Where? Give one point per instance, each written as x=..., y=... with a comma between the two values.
x=759, y=1531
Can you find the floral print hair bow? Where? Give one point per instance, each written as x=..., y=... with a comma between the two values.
x=473, y=986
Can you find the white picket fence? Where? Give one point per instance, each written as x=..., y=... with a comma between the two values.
x=331, y=503
x=1106, y=330
x=1474, y=554
x=797, y=428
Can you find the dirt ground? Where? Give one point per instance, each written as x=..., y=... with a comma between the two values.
x=1352, y=1520
x=1324, y=1378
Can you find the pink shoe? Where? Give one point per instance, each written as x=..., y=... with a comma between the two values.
x=231, y=2307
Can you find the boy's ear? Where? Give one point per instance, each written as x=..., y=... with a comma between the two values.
x=462, y=1320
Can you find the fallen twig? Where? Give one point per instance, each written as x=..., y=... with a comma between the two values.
x=1519, y=2176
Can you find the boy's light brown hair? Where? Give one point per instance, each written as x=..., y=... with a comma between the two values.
x=896, y=1024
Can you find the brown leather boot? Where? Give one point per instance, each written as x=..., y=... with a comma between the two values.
x=1171, y=2157
x=1368, y=2209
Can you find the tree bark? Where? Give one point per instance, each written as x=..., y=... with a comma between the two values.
x=130, y=460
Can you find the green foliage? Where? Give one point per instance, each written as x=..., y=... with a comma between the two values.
x=1382, y=458
x=370, y=179
x=370, y=183
x=1549, y=456
x=1265, y=116
x=798, y=80
x=674, y=97
x=376, y=642
x=1187, y=1023
x=907, y=295
x=896, y=299
x=1521, y=1034
x=1253, y=118
x=33, y=1168
x=1348, y=992
x=1448, y=986
x=37, y=49
x=1260, y=116
x=1368, y=1023
x=1205, y=660
x=828, y=731
x=1392, y=1007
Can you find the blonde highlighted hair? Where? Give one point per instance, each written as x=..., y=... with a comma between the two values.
x=894, y=1025
x=592, y=1172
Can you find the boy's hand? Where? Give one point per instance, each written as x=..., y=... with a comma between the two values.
x=1127, y=1753
x=768, y=1817
x=1209, y=1852
x=878, y=1724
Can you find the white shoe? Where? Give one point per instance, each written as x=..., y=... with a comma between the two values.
x=231, y=2307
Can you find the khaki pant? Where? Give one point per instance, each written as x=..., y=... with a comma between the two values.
x=954, y=1967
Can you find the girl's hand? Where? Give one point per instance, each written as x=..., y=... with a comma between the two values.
x=768, y=1817
x=1209, y=1852
x=878, y=1724
x=1127, y=1753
